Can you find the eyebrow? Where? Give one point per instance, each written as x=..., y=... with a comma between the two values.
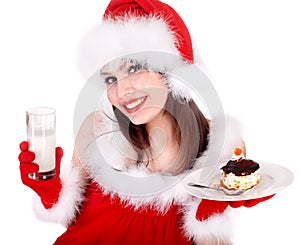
x=104, y=73
x=122, y=66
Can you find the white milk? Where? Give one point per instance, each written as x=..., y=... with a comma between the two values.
x=42, y=143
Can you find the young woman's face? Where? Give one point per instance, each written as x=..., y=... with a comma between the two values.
x=138, y=93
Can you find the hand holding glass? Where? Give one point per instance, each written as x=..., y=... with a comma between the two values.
x=40, y=124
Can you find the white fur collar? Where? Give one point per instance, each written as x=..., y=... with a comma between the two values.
x=137, y=186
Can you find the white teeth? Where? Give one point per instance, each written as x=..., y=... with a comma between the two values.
x=135, y=103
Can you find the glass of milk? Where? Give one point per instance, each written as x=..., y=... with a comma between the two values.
x=40, y=122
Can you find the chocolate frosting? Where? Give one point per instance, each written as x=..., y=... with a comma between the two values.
x=240, y=167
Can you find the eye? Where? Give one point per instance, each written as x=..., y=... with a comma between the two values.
x=134, y=68
x=110, y=80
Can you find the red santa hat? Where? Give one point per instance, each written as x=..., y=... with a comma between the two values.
x=141, y=29
x=119, y=9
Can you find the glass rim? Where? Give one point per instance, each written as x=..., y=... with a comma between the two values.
x=40, y=111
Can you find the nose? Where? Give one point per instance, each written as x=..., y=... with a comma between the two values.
x=125, y=87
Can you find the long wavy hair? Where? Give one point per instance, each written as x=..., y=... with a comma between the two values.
x=191, y=131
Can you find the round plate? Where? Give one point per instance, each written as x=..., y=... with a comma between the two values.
x=273, y=178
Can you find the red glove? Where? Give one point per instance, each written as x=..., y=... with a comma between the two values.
x=48, y=190
x=211, y=207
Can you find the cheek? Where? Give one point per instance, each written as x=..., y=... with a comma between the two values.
x=156, y=80
x=150, y=80
x=112, y=95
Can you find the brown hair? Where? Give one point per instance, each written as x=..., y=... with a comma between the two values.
x=191, y=129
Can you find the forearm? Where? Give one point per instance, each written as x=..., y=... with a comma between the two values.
x=69, y=201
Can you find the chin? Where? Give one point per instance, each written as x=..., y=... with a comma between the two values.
x=144, y=116
x=136, y=120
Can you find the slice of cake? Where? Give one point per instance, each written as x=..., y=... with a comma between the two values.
x=240, y=173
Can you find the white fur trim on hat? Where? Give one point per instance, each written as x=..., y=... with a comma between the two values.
x=116, y=38
x=71, y=196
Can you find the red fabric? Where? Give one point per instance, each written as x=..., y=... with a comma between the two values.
x=106, y=220
x=208, y=208
x=48, y=190
x=121, y=8
x=249, y=203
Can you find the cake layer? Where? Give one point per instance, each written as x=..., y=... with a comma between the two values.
x=234, y=182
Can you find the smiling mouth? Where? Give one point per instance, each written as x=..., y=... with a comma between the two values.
x=134, y=104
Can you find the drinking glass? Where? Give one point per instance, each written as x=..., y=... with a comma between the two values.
x=40, y=122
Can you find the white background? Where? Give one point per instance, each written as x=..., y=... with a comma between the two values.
x=250, y=48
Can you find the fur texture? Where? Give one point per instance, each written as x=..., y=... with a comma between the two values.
x=147, y=40
x=108, y=147
x=72, y=193
x=71, y=196
x=217, y=226
x=114, y=39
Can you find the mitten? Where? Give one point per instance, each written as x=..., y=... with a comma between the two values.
x=249, y=203
x=208, y=208
x=48, y=190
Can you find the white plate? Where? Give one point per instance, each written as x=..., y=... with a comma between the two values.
x=273, y=179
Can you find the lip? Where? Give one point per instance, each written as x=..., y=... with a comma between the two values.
x=130, y=107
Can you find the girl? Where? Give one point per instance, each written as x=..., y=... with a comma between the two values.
x=125, y=188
